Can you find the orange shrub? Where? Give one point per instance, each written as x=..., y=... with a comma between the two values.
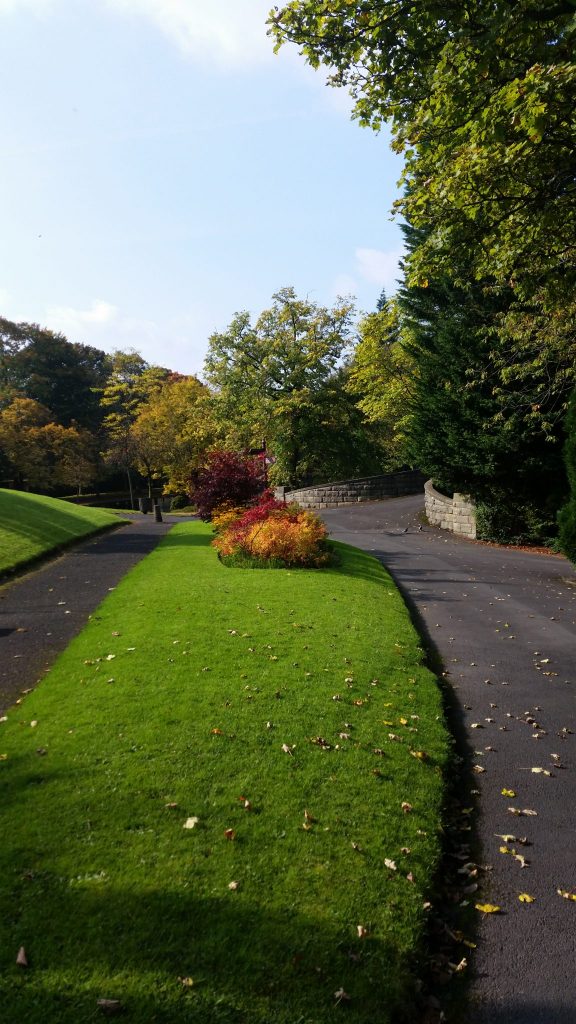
x=225, y=515
x=288, y=534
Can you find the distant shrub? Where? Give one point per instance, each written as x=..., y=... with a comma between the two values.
x=179, y=501
x=273, y=534
x=227, y=477
x=507, y=523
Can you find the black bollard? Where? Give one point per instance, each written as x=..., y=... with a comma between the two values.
x=157, y=512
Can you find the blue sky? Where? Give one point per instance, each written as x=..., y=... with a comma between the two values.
x=162, y=169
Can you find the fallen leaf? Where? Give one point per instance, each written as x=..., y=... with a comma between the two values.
x=525, y=898
x=233, y=886
x=390, y=864
x=308, y=816
x=487, y=908
x=230, y=834
x=216, y=732
x=478, y=769
x=362, y=931
x=566, y=894
x=421, y=755
x=287, y=749
x=406, y=807
x=341, y=996
x=22, y=959
x=186, y=982
x=508, y=792
x=191, y=822
x=110, y=1006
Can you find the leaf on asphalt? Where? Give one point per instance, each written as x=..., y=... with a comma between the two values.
x=478, y=769
x=508, y=792
x=526, y=812
x=476, y=725
x=566, y=894
x=487, y=908
x=521, y=859
x=540, y=771
x=525, y=898
x=191, y=822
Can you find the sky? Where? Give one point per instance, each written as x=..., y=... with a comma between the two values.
x=163, y=169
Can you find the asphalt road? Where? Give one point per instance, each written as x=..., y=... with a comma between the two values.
x=503, y=623
x=41, y=611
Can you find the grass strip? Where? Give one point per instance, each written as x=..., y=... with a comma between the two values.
x=32, y=525
x=290, y=714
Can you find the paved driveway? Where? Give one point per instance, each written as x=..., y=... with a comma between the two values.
x=503, y=623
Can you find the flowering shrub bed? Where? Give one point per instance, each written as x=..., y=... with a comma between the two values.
x=272, y=533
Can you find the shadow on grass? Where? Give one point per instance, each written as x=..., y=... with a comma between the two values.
x=87, y=938
x=27, y=518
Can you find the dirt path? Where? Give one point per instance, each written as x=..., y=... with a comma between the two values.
x=503, y=623
x=41, y=611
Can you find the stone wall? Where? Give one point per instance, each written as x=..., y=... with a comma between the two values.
x=456, y=514
x=346, y=492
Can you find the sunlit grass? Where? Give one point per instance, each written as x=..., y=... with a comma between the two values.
x=195, y=689
x=32, y=525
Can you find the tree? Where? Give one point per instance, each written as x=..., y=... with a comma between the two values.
x=173, y=430
x=468, y=427
x=381, y=377
x=481, y=99
x=567, y=516
x=42, y=454
x=131, y=383
x=270, y=378
x=60, y=375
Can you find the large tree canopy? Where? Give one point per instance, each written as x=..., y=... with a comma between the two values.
x=59, y=374
x=272, y=378
x=481, y=99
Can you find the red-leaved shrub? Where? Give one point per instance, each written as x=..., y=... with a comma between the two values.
x=226, y=478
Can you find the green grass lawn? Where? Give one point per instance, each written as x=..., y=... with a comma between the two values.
x=32, y=525
x=262, y=704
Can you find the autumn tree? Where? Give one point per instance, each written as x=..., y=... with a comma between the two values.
x=173, y=430
x=131, y=383
x=41, y=454
x=381, y=377
x=271, y=378
x=60, y=375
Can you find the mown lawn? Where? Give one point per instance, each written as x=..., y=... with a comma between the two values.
x=263, y=704
x=32, y=525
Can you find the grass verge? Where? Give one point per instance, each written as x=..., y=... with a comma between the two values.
x=32, y=525
x=290, y=714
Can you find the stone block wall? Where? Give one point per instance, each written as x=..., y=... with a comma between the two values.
x=346, y=492
x=456, y=514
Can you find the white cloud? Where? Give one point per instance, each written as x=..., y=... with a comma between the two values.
x=71, y=321
x=230, y=32
x=380, y=267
